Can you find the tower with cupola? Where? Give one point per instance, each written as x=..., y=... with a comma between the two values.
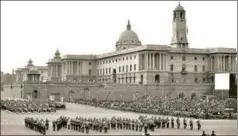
x=179, y=34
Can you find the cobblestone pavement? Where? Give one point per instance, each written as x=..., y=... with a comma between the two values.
x=13, y=123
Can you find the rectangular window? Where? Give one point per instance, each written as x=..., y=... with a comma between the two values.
x=183, y=58
x=126, y=68
x=171, y=57
x=134, y=67
x=195, y=80
x=130, y=57
x=130, y=67
x=134, y=57
x=171, y=67
x=89, y=63
x=195, y=58
x=106, y=70
x=122, y=68
x=89, y=72
x=203, y=58
x=119, y=69
x=109, y=70
x=126, y=58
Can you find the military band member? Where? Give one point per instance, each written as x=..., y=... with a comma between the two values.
x=185, y=123
x=140, y=126
x=167, y=122
x=191, y=124
x=105, y=126
x=178, y=122
x=47, y=124
x=53, y=125
x=172, y=122
x=198, y=124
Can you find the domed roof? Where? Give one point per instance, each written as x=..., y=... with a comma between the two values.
x=57, y=53
x=128, y=37
x=33, y=69
x=179, y=7
x=30, y=63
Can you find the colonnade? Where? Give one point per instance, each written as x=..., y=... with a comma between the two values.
x=152, y=61
x=223, y=63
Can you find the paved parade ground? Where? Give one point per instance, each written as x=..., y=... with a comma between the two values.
x=13, y=123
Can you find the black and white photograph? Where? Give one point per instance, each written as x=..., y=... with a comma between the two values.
x=119, y=68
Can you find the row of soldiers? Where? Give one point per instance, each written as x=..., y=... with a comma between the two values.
x=59, y=123
x=82, y=124
x=37, y=125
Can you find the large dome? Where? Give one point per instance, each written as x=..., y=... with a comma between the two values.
x=128, y=37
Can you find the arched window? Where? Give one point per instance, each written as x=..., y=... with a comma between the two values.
x=181, y=14
x=157, y=78
x=195, y=68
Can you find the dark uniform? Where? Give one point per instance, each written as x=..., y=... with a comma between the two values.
x=191, y=124
x=198, y=124
x=178, y=122
x=167, y=122
x=172, y=122
x=185, y=123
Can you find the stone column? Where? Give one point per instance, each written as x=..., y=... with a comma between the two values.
x=146, y=61
x=155, y=61
x=152, y=61
x=164, y=61
x=149, y=61
x=217, y=64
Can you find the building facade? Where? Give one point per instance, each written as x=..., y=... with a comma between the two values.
x=21, y=73
x=134, y=63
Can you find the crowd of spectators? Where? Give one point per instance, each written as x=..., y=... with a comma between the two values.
x=30, y=106
x=182, y=107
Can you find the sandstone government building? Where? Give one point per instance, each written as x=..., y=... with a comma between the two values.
x=132, y=68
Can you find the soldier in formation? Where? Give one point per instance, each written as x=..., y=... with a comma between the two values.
x=36, y=124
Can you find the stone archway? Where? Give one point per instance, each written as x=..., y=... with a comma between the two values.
x=157, y=78
x=35, y=94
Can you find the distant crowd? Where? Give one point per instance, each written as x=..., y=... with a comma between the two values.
x=183, y=107
x=30, y=106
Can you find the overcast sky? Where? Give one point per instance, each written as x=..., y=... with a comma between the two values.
x=35, y=29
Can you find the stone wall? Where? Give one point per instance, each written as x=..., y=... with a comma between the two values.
x=113, y=91
x=15, y=91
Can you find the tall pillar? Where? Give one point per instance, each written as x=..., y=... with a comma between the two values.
x=165, y=61
x=149, y=63
x=162, y=63
x=146, y=61
x=152, y=61
x=155, y=56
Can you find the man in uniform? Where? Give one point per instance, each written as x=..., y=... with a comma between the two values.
x=198, y=124
x=185, y=123
x=53, y=122
x=178, y=122
x=167, y=122
x=47, y=124
x=105, y=126
x=172, y=122
x=191, y=124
